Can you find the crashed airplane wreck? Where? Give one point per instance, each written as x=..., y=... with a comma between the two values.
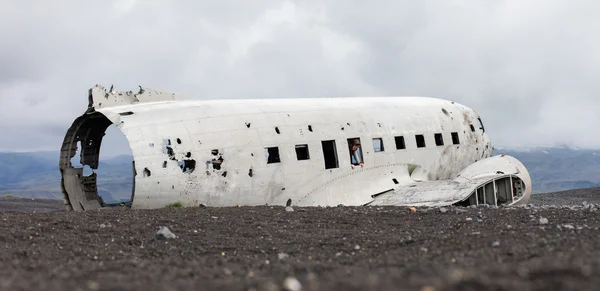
x=402, y=151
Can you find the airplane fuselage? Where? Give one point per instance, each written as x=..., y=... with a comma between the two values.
x=276, y=151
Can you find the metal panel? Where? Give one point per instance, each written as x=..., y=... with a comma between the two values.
x=239, y=130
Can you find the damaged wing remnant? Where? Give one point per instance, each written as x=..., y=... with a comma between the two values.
x=419, y=151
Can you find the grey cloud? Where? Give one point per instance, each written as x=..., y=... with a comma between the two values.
x=505, y=59
x=528, y=69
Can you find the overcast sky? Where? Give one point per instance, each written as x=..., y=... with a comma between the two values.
x=529, y=68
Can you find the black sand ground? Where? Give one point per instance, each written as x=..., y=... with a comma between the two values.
x=340, y=248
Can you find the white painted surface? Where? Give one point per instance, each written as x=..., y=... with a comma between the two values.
x=241, y=130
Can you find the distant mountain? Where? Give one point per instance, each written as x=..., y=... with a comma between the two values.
x=557, y=169
x=36, y=174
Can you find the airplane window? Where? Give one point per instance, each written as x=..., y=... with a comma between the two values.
x=420, y=140
x=378, y=144
x=481, y=124
x=330, y=154
x=272, y=154
x=302, y=152
x=439, y=139
x=400, y=145
x=355, y=151
x=455, y=139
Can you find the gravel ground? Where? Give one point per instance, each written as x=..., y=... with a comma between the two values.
x=30, y=205
x=569, y=197
x=549, y=245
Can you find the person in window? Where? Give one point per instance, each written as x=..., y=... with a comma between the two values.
x=355, y=154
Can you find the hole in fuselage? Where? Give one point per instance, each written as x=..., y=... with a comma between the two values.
x=115, y=171
x=100, y=172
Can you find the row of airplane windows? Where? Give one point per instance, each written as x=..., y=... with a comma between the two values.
x=329, y=148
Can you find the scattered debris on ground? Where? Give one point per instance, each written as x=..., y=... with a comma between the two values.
x=541, y=246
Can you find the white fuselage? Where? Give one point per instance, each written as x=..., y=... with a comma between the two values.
x=415, y=150
x=239, y=131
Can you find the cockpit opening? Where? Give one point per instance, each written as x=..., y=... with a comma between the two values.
x=481, y=124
